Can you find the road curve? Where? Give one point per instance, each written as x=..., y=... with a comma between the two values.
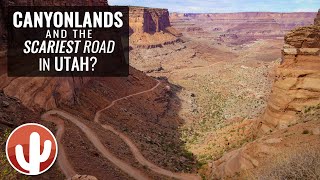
x=98, y=113
x=63, y=162
x=134, y=149
x=133, y=172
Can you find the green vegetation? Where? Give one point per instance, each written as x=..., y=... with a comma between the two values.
x=311, y=110
x=310, y=113
x=222, y=100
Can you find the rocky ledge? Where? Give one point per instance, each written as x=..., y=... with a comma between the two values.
x=297, y=84
x=296, y=90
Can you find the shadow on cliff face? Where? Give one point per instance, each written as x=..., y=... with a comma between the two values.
x=150, y=120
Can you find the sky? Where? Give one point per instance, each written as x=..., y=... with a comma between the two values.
x=221, y=6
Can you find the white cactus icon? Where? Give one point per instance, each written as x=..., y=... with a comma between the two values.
x=35, y=158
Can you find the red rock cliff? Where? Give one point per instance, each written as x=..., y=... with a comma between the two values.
x=149, y=20
x=150, y=28
x=297, y=85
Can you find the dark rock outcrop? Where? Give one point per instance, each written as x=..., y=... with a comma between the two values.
x=317, y=19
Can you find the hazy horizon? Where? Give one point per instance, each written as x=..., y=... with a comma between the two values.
x=221, y=6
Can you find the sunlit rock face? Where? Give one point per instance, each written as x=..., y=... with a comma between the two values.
x=149, y=20
x=297, y=85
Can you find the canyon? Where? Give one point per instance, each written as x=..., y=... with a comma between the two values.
x=239, y=122
x=292, y=110
x=255, y=20
x=148, y=120
x=208, y=95
x=239, y=28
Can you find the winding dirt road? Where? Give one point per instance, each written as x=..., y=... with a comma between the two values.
x=133, y=172
x=134, y=149
x=142, y=160
x=63, y=162
x=98, y=113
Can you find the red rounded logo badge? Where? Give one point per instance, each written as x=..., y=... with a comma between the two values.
x=31, y=149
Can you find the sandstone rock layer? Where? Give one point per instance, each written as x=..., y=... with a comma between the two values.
x=149, y=20
x=151, y=28
x=259, y=25
x=297, y=85
x=43, y=92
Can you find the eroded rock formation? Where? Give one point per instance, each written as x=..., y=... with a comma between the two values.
x=43, y=92
x=286, y=20
x=297, y=87
x=257, y=155
x=247, y=24
x=149, y=20
x=151, y=28
x=297, y=84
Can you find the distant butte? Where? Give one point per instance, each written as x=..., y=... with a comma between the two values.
x=150, y=28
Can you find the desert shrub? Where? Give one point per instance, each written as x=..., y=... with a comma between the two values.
x=305, y=131
x=310, y=113
x=303, y=164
